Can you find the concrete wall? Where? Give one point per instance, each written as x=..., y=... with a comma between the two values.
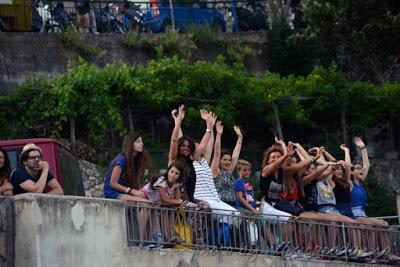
x=76, y=231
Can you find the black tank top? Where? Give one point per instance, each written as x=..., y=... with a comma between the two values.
x=270, y=192
x=342, y=194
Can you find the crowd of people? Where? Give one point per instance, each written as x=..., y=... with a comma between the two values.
x=296, y=185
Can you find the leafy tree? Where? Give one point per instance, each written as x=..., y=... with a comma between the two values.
x=362, y=36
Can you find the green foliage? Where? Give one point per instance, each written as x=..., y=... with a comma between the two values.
x=204, y=35
x=98, y=99
x=377, y=204
x=72, y=40
x=134, y=39
x=238, y=52
x=284, y=55
x=354, y=33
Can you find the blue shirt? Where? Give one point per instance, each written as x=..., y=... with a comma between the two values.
x=244, y=186
x=358, y=196
x=108, y=191
x=21, y=175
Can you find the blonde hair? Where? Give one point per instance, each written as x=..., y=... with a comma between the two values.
x=241, y=163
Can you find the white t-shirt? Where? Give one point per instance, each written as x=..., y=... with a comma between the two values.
x=153, y=195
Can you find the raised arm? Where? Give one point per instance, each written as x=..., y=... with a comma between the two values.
x=301, y=151
x=210, y=119
x=364, y=154
x=166, y=200
x=209, y=148
x=328, y=156
x=217, y=149
x=178, y=116
x=270, y=168
x=317, y=174
x=346, y=151
x=347, y=173
x=38, y=186
x=302, y=164
x=237, y=149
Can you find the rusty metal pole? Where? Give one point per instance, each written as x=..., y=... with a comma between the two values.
x=398, y=202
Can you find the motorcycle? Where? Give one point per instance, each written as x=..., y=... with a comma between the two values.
x=43, y=21
x=133, y=19
x=63, y=18
x=110, y=20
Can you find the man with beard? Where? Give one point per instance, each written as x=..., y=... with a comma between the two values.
x=35, y=174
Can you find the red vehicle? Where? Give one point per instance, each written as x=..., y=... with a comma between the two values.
x=63, y=163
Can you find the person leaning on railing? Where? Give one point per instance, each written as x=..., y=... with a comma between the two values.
x=358, y=198
x=166, y=190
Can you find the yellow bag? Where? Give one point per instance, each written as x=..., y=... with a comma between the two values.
x=183, y=231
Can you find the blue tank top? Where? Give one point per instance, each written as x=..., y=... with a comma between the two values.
x=358, y=196
x=108, y=191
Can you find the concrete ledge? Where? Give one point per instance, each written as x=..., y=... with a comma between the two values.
x=78, y=231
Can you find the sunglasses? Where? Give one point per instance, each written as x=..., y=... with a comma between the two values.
x=35, y=157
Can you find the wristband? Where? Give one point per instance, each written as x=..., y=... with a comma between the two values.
x=361, y=148
x=208, y=130
x=128, y=190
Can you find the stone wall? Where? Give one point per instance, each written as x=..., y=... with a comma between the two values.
x=25, y=53
x=93, y=179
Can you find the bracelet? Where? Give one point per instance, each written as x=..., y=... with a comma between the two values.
x=361, y=148
x=128, y=190
x=208, y=130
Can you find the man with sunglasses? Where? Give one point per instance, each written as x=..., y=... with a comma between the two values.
x=35, y=174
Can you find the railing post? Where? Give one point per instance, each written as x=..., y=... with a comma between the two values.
x=344, y=240
x=171, y=7
x=235, y=26
x=398, y=202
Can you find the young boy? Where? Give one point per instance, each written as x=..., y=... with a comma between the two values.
x=243, y=189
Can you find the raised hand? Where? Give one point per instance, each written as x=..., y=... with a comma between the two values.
x=237, y=131
x=204, y=114
x=178, y=115
x=359, y=142
x=219, y=127
x=290, y=149
x=313, y=151
x=343, y=147
x=211, y=119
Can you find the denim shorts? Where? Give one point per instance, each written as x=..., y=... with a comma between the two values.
x=358, y=211
x=329, y=210
x=345, y=209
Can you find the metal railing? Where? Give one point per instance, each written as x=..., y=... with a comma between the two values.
x=153, y=226
x=140, y=16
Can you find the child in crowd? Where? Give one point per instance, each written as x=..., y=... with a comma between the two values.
x=165, y=190
x=243, y=189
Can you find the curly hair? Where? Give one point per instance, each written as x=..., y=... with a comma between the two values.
x=269, y=151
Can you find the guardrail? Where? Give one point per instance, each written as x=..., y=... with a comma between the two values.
x=153, y=226
x=139, y=16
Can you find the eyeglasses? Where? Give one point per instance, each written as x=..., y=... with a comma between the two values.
x=35, y=157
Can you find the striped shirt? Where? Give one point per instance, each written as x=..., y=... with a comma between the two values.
x=205, y=186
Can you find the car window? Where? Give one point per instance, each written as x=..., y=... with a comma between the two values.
x=13, y=155
x=71, y=174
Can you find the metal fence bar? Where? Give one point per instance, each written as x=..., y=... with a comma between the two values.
x=157, y=226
